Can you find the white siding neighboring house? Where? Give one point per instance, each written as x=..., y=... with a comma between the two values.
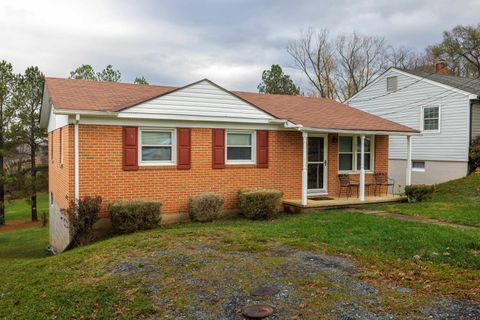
x=444, y=108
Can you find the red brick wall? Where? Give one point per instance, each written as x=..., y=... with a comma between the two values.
x=60, y=182
x=101, y=170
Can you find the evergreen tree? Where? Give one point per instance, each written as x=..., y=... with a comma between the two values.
x=275, y=81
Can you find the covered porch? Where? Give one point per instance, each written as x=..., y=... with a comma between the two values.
x=342, y=168
x=339, y=202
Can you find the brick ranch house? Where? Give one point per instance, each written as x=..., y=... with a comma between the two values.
x=125, y=141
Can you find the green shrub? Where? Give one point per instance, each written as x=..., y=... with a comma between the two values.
x=475, y=153
x=418, y=193
x=260, y=203
x=205, y=207
x=130, y=216
x=83, y=215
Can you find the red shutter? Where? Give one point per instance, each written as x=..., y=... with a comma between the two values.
x=130, y=148
x=218, y=148
x=262, y=148
x=184, y=148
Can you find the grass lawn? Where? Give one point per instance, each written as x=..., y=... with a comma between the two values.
x=456, y=201
x=427, y=258
x=20, y=209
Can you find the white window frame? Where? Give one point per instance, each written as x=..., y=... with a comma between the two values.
x=419, y=169
x=253, y=146
x=173, y=161
x=423, y=118
x=355, y=152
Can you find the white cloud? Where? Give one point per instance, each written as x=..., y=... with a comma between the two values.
x=178, y=42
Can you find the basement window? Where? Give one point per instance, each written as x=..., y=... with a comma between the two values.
x=418, y=166
x=391, y=84
x=157, y=146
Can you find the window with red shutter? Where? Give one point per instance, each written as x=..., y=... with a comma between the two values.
x=218, y=148
x=184, y=148
x=262, y=148
x=130, y=148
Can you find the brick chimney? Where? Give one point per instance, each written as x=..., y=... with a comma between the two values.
x=441, y=66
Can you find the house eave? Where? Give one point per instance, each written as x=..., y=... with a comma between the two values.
x=360, y=131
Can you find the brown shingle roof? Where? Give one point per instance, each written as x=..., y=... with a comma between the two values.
x=99, y=96
x=320, y=113
x=309, y=112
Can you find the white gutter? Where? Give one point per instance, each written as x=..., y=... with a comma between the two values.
x=76, y=160
x=367, y=132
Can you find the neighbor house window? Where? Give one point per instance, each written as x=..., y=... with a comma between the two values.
x=157, y=146
x=418, y=165
x=431, y=118
x=349, y=153
x=240, y=147
x=345, y=153
x=391, y=84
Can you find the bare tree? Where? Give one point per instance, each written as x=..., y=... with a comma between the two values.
x=361, y=59
x=340, y=67
x=314, y=55
x=407, y=58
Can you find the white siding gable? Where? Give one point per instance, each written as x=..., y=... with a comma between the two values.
x=56, y=121
x=405, y=107
x=202, y=101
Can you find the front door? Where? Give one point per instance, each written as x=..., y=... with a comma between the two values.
x=317, y=165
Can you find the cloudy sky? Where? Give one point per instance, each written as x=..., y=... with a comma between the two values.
x=228, y=41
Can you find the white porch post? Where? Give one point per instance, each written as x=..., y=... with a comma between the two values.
x=362, y=168
x=408, y=180
x=304, y=169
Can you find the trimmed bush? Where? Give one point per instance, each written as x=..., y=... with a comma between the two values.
x=260, y=203
x=205, y=207
x=418, y=193
x=131, y=216
x=474, y=153
x=83, y=215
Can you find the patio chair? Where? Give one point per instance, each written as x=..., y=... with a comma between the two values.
x=382, y=179
x=347, y=185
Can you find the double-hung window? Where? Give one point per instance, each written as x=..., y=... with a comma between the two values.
x=349, y=153
x=157, y=146
x=240, y=147
x=431, y=119
x=345, y=153
x=367, y=153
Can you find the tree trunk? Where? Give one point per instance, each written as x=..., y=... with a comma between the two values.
x=33, y=173
x=2, y=189
x=2, y=171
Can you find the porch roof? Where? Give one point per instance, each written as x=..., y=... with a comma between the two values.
x=307, y=113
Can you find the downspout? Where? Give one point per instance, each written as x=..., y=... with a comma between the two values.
x=76, y=171
x=76, y=162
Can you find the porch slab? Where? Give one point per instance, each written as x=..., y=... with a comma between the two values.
x=296, y=204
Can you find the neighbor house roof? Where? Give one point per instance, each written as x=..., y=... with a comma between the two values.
x=309, y=112
x=466, y=84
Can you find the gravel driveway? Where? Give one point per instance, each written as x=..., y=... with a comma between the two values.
x=210, y=279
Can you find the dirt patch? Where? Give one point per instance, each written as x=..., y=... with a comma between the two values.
x=20, y=224
x=198, y=278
